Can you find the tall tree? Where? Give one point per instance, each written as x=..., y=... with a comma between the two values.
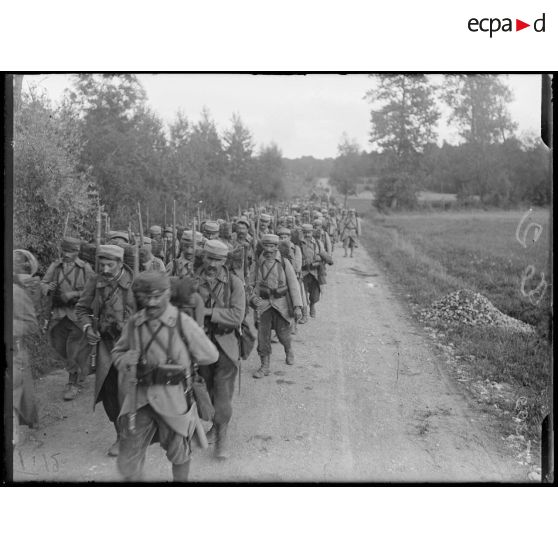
x=403, y=115
x=239, y=145
x=269, y=174
x=345, y=172
x=123, y=141
x=478, y=104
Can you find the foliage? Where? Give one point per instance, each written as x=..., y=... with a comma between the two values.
x=50, y=182
x=429, y=256
x=404, y=114
x=478, y=107
x=346, y=172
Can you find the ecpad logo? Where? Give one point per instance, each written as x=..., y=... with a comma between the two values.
x=492, y=25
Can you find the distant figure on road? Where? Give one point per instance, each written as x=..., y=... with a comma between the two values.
x=350, y=231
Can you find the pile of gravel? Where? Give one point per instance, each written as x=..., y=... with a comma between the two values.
x=471, y=308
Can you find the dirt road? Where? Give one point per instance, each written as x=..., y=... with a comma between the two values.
x=367, y=401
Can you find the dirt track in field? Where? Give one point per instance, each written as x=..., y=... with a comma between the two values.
x=367, y=401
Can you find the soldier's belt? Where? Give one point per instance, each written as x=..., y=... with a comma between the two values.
x=165, y=374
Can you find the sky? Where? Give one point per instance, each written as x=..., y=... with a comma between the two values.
x=303, y=115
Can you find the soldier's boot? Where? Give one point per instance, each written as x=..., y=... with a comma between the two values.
x=345, y=255
x=115, y=448
x=212, y=435
x=180, y=472
x=312, y=310
x=274, y=338
x=72, y=387
x=222, y=450
x=351, y=251
x=289, y=356
x=304, y=318
x=263, y=370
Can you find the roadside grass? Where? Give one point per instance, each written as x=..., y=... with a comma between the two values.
x=428, y=255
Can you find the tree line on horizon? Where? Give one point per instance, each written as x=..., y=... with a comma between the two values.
x=103, y=144
x=490, y=166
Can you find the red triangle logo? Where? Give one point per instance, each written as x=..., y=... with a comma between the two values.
x=519, y=25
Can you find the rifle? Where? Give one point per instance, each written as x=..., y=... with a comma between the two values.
x=140, y=225
x=194, y=243
x=256, y=267
x=133, y=389
x=173, y=240
x=93, y=355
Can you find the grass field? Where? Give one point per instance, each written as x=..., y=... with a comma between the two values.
x=432, y=254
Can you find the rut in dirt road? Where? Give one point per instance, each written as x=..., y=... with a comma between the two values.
x=366, y=401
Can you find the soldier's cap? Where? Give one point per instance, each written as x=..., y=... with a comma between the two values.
x=144, y=253
x=307, y=227
x=318, y=222
x=283, y=230
x=306, y=212
x=111, y=252
x=265, y=218
x=151, y=282
x=270, y=239
x=69, y=244
x=211, y=226
x=155, y=229
x=118, y=234
x=220, y=221
x=168, y=229
x=216, y=249
x=188, y=237
x=147, y=240
x=351, y=210
x=25, y=261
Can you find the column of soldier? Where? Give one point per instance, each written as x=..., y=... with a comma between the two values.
x=163, y=320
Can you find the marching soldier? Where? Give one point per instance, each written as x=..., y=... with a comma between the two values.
x=149, y=262
x=242, y=245
x=160, y=342
x=211, y=230
x=276, y=298
x=295, y=258
x=311, y=261
x=350, y=231
x=186, y=262
x=225, y=304
x=65, y=280
x=24, y=323
x=118, y=238
x=102, y=310
x=332, y=227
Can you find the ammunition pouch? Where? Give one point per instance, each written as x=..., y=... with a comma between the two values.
x=216, y=329
x=266, y=293
x=110, y=330
x=163, y=374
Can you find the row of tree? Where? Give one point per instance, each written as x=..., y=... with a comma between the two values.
x=490, y=164
x=102, y=143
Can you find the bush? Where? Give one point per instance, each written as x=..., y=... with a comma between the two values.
x=396, y=191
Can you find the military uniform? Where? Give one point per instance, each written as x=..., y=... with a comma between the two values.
x=225, y=301
x=65, y=333
x=350, y=231
x=311, y=262
x=275, y=284
x=24, y=323
x=105, y=305
x=163, y=411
